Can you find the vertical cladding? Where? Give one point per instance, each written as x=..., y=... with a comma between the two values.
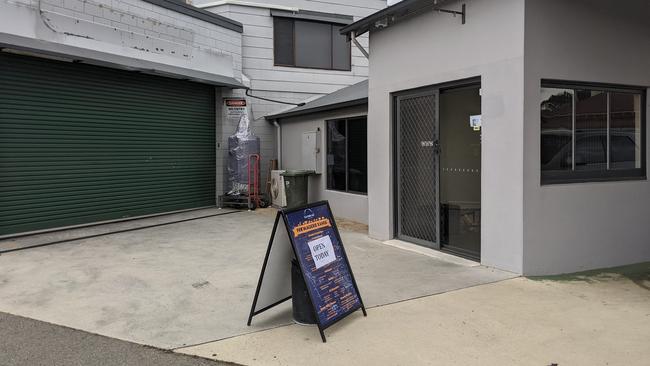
x=81, y=143
x=166, y=126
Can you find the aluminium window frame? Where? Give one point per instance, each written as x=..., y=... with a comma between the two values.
x=579, y=176
x=327, y=132
x=293, y=44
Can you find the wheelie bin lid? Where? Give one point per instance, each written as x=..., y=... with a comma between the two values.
x=297, y=173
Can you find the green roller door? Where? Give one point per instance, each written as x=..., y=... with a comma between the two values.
x=81, y=144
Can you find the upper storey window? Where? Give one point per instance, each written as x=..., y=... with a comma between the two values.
x=310, y=44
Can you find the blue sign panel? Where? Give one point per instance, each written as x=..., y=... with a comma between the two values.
x=323, y=262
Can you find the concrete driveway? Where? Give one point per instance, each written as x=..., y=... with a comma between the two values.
x=192, y=282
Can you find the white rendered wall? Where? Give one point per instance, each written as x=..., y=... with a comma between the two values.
x=573, y=227
x=434, y=48
x=117, y=31
x=347, y=205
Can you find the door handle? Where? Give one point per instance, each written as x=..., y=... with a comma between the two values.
x=436, y=147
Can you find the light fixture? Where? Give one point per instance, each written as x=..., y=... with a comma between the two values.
x=381, y=23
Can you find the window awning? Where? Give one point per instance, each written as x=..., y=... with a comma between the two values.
x=313, y=15
x=390, y=15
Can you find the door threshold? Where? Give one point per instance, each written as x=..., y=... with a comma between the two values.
x=433, y=253
x=472, y=256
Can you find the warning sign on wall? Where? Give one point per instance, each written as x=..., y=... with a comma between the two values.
x=234, y=109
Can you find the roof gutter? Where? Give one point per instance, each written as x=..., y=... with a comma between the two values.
x=324, y=108
x=247, y=3
x=399, y=12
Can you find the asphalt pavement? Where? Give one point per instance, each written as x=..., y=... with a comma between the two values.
x=28, y=342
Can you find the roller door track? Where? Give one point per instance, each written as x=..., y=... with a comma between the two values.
x=82, y=144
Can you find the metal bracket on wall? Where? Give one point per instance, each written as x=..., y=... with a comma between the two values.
x=462, y=12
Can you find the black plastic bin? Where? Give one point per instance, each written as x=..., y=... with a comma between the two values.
x=303, y=311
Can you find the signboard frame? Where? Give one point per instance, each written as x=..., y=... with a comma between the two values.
x=267, y=257
x=283, y=213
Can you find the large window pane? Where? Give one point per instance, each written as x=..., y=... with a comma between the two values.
x=340, y=49
x=336, y=152
x=557, y=129
x=313, y=44
x=357, y=155
x=591, y=133
x=625, y=131
x=591, y=130
x=283, y=41
x=310, y=44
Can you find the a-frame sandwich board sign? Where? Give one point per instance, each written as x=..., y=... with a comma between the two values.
x=311, y=236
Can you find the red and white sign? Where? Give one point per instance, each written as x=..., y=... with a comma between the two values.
x=235, y=102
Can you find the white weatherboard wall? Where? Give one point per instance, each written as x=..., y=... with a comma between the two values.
x=289, y=84
x=124, y=31
x=434, y=48
x=572, y=227
x=257, y=48
x=347, y=205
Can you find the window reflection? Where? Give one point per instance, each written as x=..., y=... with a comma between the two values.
x=557, y=129
x=347, y=150
x=336, y=153
x=357, y=156
x=625, y=131
x=591, y=130
x=591, y=133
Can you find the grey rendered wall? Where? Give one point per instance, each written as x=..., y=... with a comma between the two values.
x=288, y=84
x=434, y=48
x=346, y=205
x=575, y=227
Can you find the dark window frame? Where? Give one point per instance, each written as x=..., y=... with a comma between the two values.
x=293, y=51
x=347, y=140
x=577, y=176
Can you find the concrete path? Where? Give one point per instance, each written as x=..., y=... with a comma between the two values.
x=30, y=342
x=193, y=282
x=591, y=319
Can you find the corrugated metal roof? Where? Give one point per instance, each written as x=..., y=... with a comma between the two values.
x=352, y=95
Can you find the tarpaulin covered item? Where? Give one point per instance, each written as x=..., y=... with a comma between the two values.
x=240, y=146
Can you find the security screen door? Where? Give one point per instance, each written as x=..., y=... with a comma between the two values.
x=417, y=155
